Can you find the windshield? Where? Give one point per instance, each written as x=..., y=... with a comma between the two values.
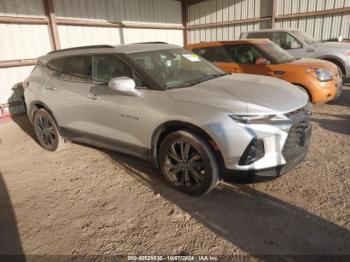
x=276, y=54
x=304, y=37
x=176, y=67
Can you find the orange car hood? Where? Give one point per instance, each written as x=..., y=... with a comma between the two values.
x=313, y=63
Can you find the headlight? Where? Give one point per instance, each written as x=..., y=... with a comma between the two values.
x=258, y=119
x=321, y=74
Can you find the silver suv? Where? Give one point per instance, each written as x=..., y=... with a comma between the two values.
x=163, y=103
x=301, y=45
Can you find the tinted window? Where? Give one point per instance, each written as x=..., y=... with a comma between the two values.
x=108, y=66
x=275, y=53
x=267, y=35
x=308, y=39
x=214, y=54
x=53, y=66
x=286, y=41
x=71, y=68
x=244, y=54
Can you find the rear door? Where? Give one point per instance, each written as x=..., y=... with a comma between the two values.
x=67, y=94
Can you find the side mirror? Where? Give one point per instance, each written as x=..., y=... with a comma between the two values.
x=124, y=85
x=261, y=61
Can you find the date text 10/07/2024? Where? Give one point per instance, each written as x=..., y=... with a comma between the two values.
x=173, y=258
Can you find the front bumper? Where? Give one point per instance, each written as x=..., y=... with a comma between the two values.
x=255, y=175
x=324, y=92
x=294, y=151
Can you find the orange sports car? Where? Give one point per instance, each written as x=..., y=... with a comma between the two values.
x=318, y=78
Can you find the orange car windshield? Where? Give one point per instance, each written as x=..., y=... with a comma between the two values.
x=275, y=53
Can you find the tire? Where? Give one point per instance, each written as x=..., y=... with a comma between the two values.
x=46, y=130
x=188, y=163
x=340, y=72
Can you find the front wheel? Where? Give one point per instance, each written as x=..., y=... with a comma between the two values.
x=188, y=163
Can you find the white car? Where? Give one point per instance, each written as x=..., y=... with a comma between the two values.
x=163, y=103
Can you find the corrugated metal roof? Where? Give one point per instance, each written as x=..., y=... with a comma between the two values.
x=32, y=8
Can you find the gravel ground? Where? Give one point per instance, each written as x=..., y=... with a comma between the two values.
x=84, y=200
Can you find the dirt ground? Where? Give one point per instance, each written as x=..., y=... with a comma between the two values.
x=84, y=200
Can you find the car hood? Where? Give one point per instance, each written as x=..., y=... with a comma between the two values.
x=335, y=45
x=314, y=63
x=244, y=94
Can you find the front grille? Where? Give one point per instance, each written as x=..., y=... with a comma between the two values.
x=298, y=138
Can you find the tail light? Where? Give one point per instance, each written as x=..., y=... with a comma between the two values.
x=348, y=53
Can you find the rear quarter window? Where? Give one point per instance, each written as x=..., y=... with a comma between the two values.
x=71, y=68
x=214, y=53
x=259, y=35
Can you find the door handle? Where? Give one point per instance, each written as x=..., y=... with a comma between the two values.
x=232, y=71
x=310, y=50
x=51, y=87
x=92, y=96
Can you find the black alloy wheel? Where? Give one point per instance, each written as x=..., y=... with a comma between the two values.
x=188, y=163
x=46, y=130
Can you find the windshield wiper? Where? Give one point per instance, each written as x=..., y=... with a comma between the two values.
x=180, y=85
x=208, y=77
x=195, y=82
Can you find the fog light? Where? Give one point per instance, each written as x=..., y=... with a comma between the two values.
x=254, y=151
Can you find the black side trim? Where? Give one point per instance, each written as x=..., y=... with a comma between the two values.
x=105, y=142
x=268, y=172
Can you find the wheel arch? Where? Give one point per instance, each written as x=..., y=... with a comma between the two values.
x=334, y=60
x=35, y=105
x=171, y=126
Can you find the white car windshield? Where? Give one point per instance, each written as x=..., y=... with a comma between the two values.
x=176, y=67
x=307, y=39
x=275, y=53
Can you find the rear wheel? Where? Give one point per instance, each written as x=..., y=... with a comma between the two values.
x=188, y=163
x=46, y=130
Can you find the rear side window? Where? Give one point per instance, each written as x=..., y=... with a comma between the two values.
x=214, y=54
x=76, y=68
x=53, y=66
x=259, y=35
x=71, y=68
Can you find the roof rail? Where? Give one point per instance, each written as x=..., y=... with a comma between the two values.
x=156, y=42
x=81, y=47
